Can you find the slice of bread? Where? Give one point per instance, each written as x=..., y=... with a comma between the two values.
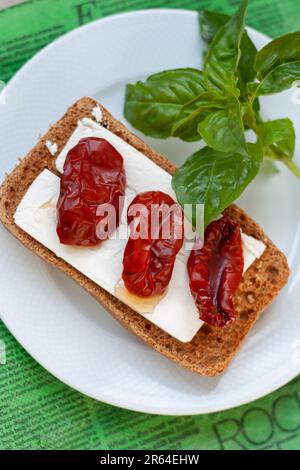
x=211, y=349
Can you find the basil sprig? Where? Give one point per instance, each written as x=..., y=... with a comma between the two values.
x=217, y=106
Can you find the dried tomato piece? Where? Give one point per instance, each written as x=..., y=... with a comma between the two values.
x=93, y=178
x=215, y=272
x=156, y=225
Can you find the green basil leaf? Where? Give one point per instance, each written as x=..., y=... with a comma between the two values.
x=278, y=52
x=192, y=113
x=210, y=23
x=223, y=55
x=256, y=151
x=223, y=129
x=280, y=132
x=279, y=79
x=152, y=106
x=214, y=179
x=278, y=65
x=246, y=71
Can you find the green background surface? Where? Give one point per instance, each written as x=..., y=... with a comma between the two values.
x=39, y=412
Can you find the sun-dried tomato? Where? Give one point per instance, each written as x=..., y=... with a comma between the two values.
x=156, y=225
x=215, y=272
x=94, y=176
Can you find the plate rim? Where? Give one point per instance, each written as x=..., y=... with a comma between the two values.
x=101, y=397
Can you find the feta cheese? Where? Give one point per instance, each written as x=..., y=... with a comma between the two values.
x=253, y=249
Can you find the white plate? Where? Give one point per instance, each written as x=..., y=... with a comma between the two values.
x=63, y=328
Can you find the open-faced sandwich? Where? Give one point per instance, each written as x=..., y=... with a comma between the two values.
x=194, y=303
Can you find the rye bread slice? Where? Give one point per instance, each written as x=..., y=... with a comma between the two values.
x=211, y=349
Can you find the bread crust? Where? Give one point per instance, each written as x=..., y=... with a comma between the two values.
x=211, y=349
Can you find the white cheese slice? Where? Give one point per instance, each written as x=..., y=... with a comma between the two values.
x=253, y=249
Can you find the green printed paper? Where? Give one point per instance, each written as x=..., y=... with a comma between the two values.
x=39, y=412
